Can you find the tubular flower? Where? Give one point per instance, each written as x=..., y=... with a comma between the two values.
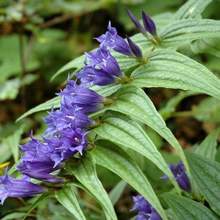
x=144, y=209
x=66, y=117
x=134, y=48
x=101, y=68
x=111, y=39
x=37, y=161
x=79, y=96
x=181, y=177
x=149, y=25
x=13, y=188
x=69, y=142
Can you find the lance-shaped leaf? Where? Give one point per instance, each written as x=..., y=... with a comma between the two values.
x=52, y=103
x=184, y=208
x=85, y=172
x=191, y=9
x=122, y=165
x=187, y=74
x=66, y=196
x=184, y=31
x=206, y=175
x=208, y=148
x=134, y=102
x=117, y=191
x=129, y=134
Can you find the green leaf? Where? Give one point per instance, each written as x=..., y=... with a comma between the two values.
x=14, y=215
x=184, y=208
x=9, y=89
x=134, y=102
x=35, y=204
x=184, y=31
x=173, y=102
x=128, y=134
x=52, y=103
x=12, y=143
x=210, y=46
x=208, y=148
x=191, y=9
x=85, y=173
x=207, y=110
x=117, y=191
x=187, y=74
x=66, y=196
x=206, y=175
x=122, y=165
x=74, y=64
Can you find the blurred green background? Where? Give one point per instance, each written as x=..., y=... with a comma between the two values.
x=38, y=37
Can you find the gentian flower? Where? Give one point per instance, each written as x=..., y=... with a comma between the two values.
x=101, y=68
x=180, y=175
x=79, y=96
x=134, y=48
x=13, y=188
x=69, y=142
x=149, y=25
x=37, y=161
x=66, y=117
x=144, y=209
x=111, y=39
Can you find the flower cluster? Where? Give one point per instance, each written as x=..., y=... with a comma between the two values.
x=68, y=126
x=144, y=209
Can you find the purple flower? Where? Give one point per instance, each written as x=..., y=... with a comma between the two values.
x=89, y=76
x=135, y=21
x=37, y=161
x=181, y=176
x=69, y=142
x=66, y=118
x=111, y=39
x=144, y=209
x=134, y=48
x=101, y=68
x=78, y=96
x=149, y=25
x=13, y=188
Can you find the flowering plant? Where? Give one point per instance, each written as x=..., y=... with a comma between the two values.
x=100, y=119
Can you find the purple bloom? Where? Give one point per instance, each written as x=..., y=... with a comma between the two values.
x=135, y=21
x=149, y=24
x=13, y=188
x=78, y=96
x=103, y=60
x=101, y=68
x=134, y=48
x=69, y=142
x=111, y=39
x=37, y=161
x=144, y=209
x=66, y=118
x=89, y=76
x=181, y=176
